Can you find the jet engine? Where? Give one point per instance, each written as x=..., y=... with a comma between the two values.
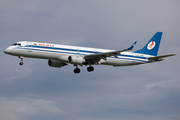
x=75, y=59
x=54, y=63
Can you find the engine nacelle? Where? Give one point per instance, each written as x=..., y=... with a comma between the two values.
x=54, y=63
x=75, y=59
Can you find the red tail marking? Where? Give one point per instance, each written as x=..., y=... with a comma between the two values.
x=151, y=44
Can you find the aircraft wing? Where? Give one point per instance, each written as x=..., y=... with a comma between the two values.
x=160, y=57
x=107, y=54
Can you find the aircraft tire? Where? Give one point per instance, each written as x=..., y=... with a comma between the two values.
x=90, y=69
x=21, y=63
x=77, y=70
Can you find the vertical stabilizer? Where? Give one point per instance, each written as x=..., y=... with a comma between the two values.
x=152, y=47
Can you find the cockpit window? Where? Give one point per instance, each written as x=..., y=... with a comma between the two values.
x=16, y=44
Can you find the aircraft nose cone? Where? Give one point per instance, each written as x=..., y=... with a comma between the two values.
x=7, y=51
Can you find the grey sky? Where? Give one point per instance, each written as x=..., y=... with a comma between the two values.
x=36, y=91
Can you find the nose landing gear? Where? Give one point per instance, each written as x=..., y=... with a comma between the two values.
x=21, y=63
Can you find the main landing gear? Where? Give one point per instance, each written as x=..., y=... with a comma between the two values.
x=77, y=70
x=21, y=63
x=89, y=69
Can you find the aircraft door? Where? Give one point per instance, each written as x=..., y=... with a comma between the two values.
x=29, y=46
x=77, y=51
x=134, y=57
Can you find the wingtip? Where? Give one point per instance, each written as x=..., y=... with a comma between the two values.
x=173, y=54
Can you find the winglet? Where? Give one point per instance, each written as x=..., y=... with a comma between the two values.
x=130, y=48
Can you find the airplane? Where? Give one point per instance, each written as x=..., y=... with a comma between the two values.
x=62, y=55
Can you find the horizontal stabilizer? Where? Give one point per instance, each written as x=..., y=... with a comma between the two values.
x=160, y=57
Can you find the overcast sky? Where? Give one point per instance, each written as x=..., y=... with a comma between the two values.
x=36, y=91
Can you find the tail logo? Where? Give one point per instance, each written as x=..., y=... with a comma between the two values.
x=151, y=45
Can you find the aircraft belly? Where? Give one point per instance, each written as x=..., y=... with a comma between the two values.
x=35, y=54
x=43, y=55
x=18, y=52
x=119, y=62
x=116, y=62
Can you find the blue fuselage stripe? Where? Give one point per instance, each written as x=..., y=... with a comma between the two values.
x=78, y=52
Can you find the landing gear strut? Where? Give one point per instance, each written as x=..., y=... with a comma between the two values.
x=77, y=70
x=21, y=63
x=90, y=69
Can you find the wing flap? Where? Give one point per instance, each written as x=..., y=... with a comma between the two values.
x=103, y=55
x=107, y=54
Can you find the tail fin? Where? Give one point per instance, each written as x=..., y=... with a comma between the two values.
x=152, y=47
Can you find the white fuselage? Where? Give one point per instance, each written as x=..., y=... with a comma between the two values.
x=62, y=55
x=62, y=52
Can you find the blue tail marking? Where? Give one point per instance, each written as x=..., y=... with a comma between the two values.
x=130, y=48
x=152, y=47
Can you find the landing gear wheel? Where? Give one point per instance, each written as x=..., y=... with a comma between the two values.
x=90, y=69
x=21, y=63
x=77, y=70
